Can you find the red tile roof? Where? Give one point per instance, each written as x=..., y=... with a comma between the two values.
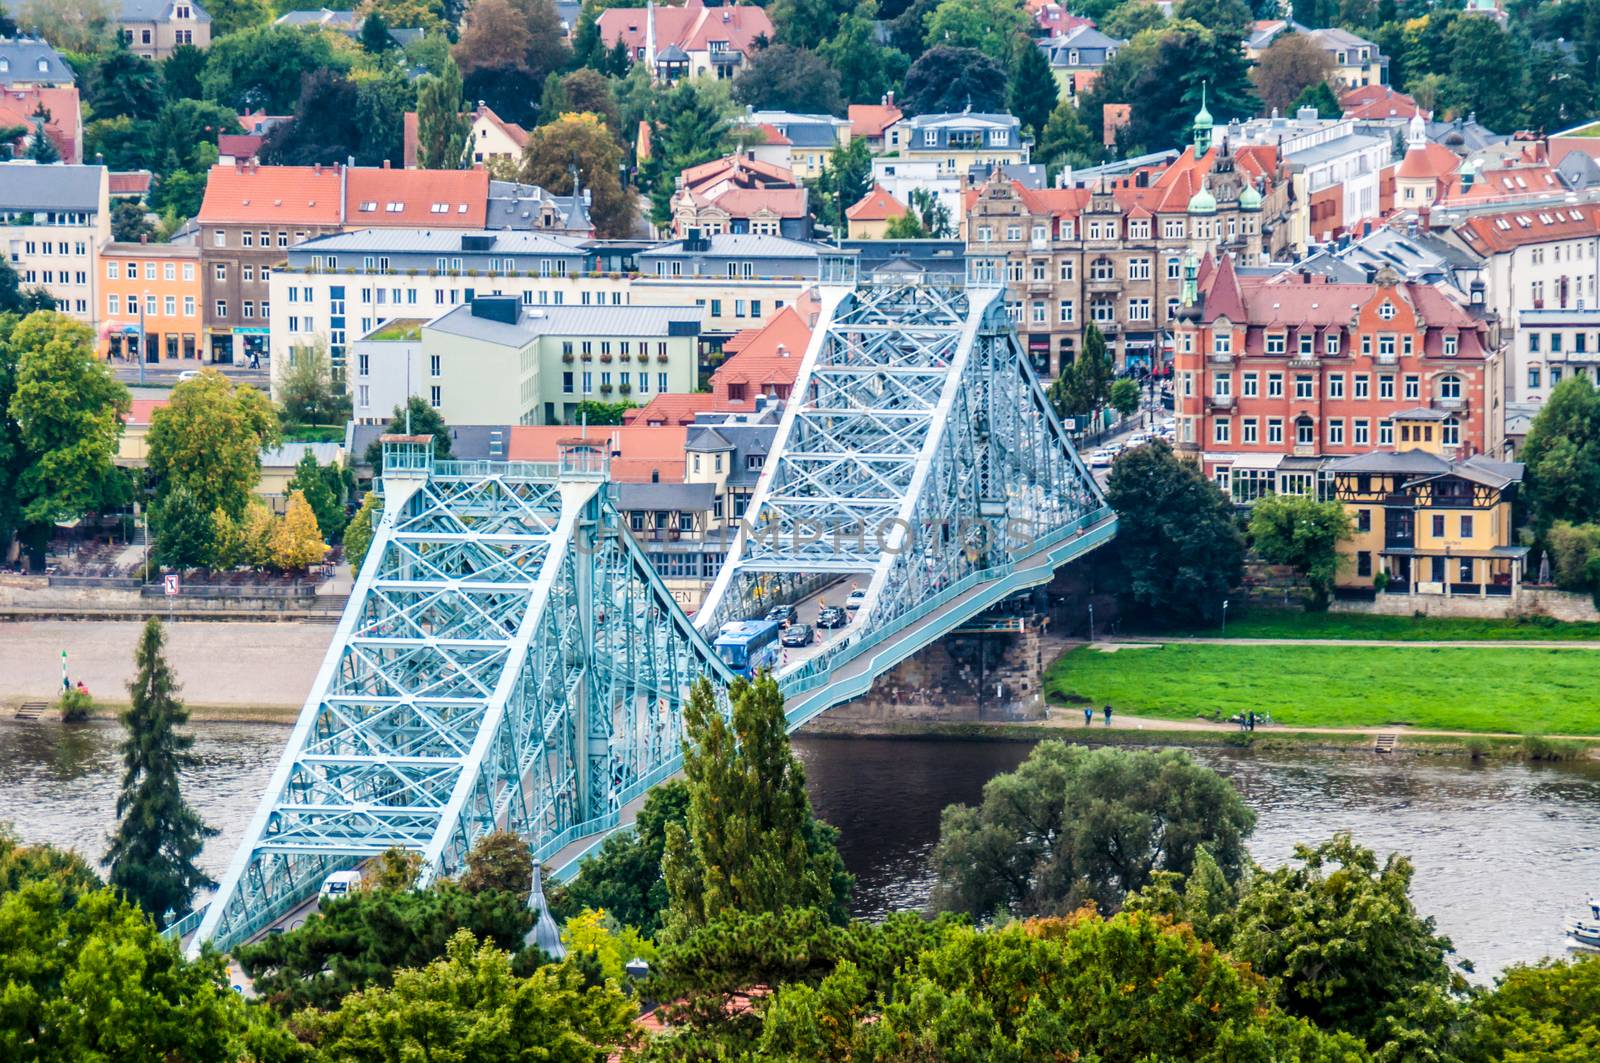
x=671, y=409
x=1377, y=102
x=748, y=202
x=240, y=145
x=871, y=119
x=639, y=453
x=737, y=169
x=767, y=362
x=18, y=107
x=1429, y=160
x=128, y=183
x=1489, y=234
x=141, y=410
x=876, y=205
x=251, y=193
x=379, y=197
x=691, y=27
x=1515, y=180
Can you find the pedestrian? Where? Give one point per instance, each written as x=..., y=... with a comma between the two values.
x=1250, y=721
x=1108, y=715
x=1088, y=715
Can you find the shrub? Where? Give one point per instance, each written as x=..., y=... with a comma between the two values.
x=1571, y=548
x=75, y=705
x=1477, y=748
x=1538, y=747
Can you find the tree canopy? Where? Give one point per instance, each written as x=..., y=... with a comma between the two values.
x=1562, y=455
x=1299, y=531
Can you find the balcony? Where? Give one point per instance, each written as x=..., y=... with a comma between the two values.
x=1103, y=284
x=1220, y=357
x=1220, y=402
x=1450, y=404
x=1044, y=287
x=1386, y=359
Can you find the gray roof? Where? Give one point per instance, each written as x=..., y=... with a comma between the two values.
x=514, y=205
x=289, y=454
x=29, y=186
x=743, y=245
x=705, y=438
x=920, y=121
x=1579, y=170
x=443, y=241
x=320, y=17
x=1416, y=256
x=672, y=54
x=680, y=497
x=1341, y=38
x=1421, y=464
x=632, y=320
x=22, y=56
x=939, y=256
x=468, y=442
x=1464, y=136
x=157, y=11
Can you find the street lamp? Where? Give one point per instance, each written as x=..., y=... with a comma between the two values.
x=140, y=351
x=1091, y=621
x=1224, y=617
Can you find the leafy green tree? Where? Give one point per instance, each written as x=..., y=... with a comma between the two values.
x=125, y=84
x=22, y=865
x=1033, y=93
x=593, y=411
x=846, y=176
x=208, y=438
x=232, y=16
x=1131, y=17
x=442, y=128
x=1562, y=455
x=1066, y=140
x=89, y=978
x=499, y=861
x=358, y=533
x=13, y=452
x=1484, y=60
x=624, y=877
x=68, y=410
x=365, y=938
x=1540, y=1013
x=262, y=67
x=84, y=26
x=41, y=149
x=1299, y=531
x=1123, y=396
x=470, y=1005
x=338, y=118
x=158, y=835
x=185, y=532
x=946, y=79
x=1320, y=98
x=130, y=223
x=990, y=26
x=867, y=70
x=311, y=396
x=324, y=489
x=786, y=78
x=750, y=843
x=422, y=420
x=587, y=90
x=807, y=23
x=375, y=39
x=1228, y=17
x=582, y=142
x=1178, y=545
x=180, y=72
x=1340, y=939
x=1074, y=825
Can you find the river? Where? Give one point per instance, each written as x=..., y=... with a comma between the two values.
x=1504, y=853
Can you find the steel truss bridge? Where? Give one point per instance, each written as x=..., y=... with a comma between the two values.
x=509, y=658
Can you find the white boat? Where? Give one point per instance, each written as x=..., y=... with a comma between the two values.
x=1587, y=931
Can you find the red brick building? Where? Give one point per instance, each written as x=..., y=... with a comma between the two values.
x=1273, y=374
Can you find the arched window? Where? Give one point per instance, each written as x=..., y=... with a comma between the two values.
x=1305, y=431
x=1450, y=386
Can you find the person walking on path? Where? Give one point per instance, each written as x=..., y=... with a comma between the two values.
x=1088, y=715
x=1108, y=715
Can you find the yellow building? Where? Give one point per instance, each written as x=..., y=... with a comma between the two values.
x=1425, y=525
x=869, y=218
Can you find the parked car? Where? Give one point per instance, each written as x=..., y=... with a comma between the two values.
x=796, y=635
x=1099, y=459
x=188, y=374
x=832, y=616
x=783, y=614
x=853, y=602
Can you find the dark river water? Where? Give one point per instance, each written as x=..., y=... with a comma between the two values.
x=1503, y=853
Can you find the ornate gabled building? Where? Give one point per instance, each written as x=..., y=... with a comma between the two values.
x=737, y=194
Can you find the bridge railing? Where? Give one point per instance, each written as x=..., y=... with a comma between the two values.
x=533, y=471
x=187, y=925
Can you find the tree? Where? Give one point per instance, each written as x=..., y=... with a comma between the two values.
x=310, y=395
x=592, y=411
x=689, y=126
x=807, y=23
x=1124, y=396
x=324, y=125
x=846, y=176
x=407, y=14
x=1319, y=98
x=231, y=16
x=256, y=534
x=68, y=409
x=1178, y=545
x=1537, y=1013
x=750, y=843
x=1073, y=825
x=1229, y=18
x=130, y=222
x=208, y=438
x=375, y=37
x=1084, y=386
x=581, y=142
x=494, y=36
x=1339, y=937
x=442, y=128
x=297, y=543
x=786, y=78
x=906, y=227
x=358, y=533
x=85, y=26
x=990, y=26
x=1131, y=17
x=1034, y=92
x=324, y=489
x=586, y=90
x=933, y=217
x=499, y=861
x=185, y=531
x=1299, y=531
x=1562, y=455
x=262, y=67
x=41, y=149
x=470, y=1005
x=365, y=938
x=1290, y=65
x=867, y=70
x=1484, y=61
x=949, y=79
x=1066, y=140
x=180, y=73
x=227, y=540
x=416, y=418
x=125, y=84
x=624, y=877
x=158, y=835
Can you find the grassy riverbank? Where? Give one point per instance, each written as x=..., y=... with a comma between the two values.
x=1488, y=689
x=1265, y=623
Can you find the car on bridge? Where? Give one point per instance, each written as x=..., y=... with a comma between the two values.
x=797, y=635
x=832, y=616
x=852, y=603
x=783, y=614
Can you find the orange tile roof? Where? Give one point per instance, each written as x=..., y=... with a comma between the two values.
x=141, y=410
x=770, y=358
x=691, y=27
x=1377, y=101
x=1428, y=161
x=773, y=134
x=639, y=453
x=746, y=202
x=671, y=409
x=871, y=119
x=19, y=106
x=382, y=197
x=876, y=205
x=251, y=193
x=1490, y=233
x=128, y=182
x=1513, y=180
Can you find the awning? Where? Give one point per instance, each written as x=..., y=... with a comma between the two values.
x=1247, y=461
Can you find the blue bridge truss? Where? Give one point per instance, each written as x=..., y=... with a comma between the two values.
x=510, y=660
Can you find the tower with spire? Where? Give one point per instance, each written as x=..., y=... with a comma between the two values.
x=1202, y=125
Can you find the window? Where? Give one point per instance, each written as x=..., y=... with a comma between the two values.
x=1066, y=312
x=435, y=398
x=1336, y=433
x=1305, y=431
x=1306, y=342
x=434, y=366
x=1413, y=386
x=222, y=308
x=1250, y=385
x=111, y=270
x=1222, y=385
x=1533, y=376
x=1067, y=271
x=1385, y=387
x=248, y=272
x=1138, y=269
x=1450, y=432
x=1336, y=386
x=1274, y=385
x=1386, y=311
x=1222, y=430
x=1248, y=427
x=113, y=304
x=1450, y=344
x=588, y=381
x=1138, y=309
x=1363, y=386
x=1304, y=386
x=1221, y=343
x=1438, y=526
x=1274, y=430
x=1364, y=561
x=1363, y=520
x=222, y=271
x=188, y=306
x=1363, y=434
x=169, y=271
x=1275, y=343
x=170, y=305
x=1102, y=269
x=1175, y=268
x=1385, y=433
x=1330, y=343
x=246, y=239
x=247, y=309
x=661, y=381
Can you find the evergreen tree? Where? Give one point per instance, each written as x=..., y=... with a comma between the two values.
x=158, y=835
x=441, y=130
x=424, y=420
x=552, y=99
x=1033, y=92
x=1067, y=140
x=375, y=34
x=42, y=149
x=752, y=844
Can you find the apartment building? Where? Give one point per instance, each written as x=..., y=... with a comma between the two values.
x=1114, y=254
x=1276, y=374
x=800, y=143
x=1337, y=171
x=154, y=29
x=739, y=194
x=955, y=143
x=55, y=220
x=492, y=138
x=27, y=63
x=153, y=295
x=1076, y=57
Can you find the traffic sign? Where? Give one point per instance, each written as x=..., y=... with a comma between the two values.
x=172, y=584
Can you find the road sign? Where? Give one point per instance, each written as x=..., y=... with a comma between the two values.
x=172, y=584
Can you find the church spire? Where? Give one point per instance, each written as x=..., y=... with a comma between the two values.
x=1202, y=125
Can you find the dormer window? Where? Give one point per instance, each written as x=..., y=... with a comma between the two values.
x=44, y=66
x=930, y=137
x=1000, y=137
x=5, y=65
x=1450, y=344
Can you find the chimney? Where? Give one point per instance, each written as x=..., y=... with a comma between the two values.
x=385, y=164
x=316, y=168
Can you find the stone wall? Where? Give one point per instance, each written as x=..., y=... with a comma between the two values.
x=112, y=596
x=1532, y=601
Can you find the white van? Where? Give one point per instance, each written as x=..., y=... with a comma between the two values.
x=339, y=884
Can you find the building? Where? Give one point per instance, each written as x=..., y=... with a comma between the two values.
x=279, y=466
x=21, y=107
x=799, y=143
x=1076, y=57
x=1377, y=103
x=1547, y=347
x=492, y=139
x=131, y=185
x=1426, y=524
x=153, y=290
x=1113, y=254
x=1276, y=374
x=27, y=63
x=688, y=41
x=529, y=208
x=1337, y=171
x=955, y=143
x=870, y=121
x=382, y=198
x=1418, y=255
x=738, y=194
x=739, y=279
x=155, y=28
x=1426, y=170
x=56, y=218
x=1356, y=61
x=869, y=217
x=494, y=360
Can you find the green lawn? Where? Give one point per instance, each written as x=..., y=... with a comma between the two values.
x=1264, y=623
x=1532, y=691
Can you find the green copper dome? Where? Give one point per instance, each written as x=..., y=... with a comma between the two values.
x=1203, y=202
x=1249, y=199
